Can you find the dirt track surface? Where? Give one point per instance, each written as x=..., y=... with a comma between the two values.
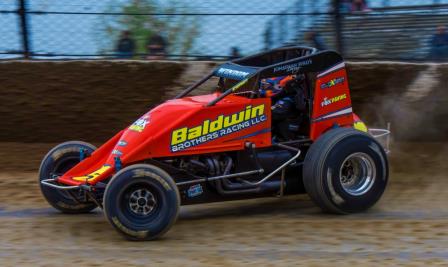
x=408, y=227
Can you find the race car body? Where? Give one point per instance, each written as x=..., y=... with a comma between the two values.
x=236, y=142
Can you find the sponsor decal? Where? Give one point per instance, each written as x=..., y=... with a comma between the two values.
x=140, y=124
x=117, y=152
x=293, y=67
x=209, y=130
x=232, y=73
x=329, y=101
x=332, y=82
x=93, y=175
x=195, y=190
x=122, y=143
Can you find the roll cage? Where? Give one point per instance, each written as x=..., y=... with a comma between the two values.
x=274, y=63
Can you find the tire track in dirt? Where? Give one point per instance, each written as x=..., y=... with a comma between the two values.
x=408, y=227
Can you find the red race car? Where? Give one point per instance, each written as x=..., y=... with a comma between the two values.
x=279, y=122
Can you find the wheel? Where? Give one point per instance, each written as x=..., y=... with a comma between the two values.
x=345, y=171
x=142, y=202
x=58, y=161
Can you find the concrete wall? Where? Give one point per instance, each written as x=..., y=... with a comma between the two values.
x=92, y=100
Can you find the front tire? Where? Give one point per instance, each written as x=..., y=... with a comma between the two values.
x=142, y=202
x=345, y=171
x=58, y=161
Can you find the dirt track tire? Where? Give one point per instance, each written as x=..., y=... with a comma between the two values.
x=58, y=161
x=141, y=202
x=337, y=168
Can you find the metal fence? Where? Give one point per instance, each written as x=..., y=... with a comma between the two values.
x=393, y=32
x=207, y=29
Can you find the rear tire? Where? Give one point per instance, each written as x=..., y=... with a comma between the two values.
x=57, y=162
x=141, y=202
x=345, y=171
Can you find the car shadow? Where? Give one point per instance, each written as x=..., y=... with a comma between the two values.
x=294, y=206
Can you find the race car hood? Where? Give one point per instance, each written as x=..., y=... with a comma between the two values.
x=158, y=122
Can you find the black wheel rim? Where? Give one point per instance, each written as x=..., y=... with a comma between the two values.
x=141, y=202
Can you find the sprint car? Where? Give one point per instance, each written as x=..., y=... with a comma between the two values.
x=221, y=146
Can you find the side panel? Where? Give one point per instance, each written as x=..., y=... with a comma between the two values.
x=332, y=106
x=223, y=127
x=180, y=127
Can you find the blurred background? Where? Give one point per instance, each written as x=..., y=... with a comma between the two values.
x=411, y=30
x=83, y=70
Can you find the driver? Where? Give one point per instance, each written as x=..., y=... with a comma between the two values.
x=288, y=101
x=273, y=86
